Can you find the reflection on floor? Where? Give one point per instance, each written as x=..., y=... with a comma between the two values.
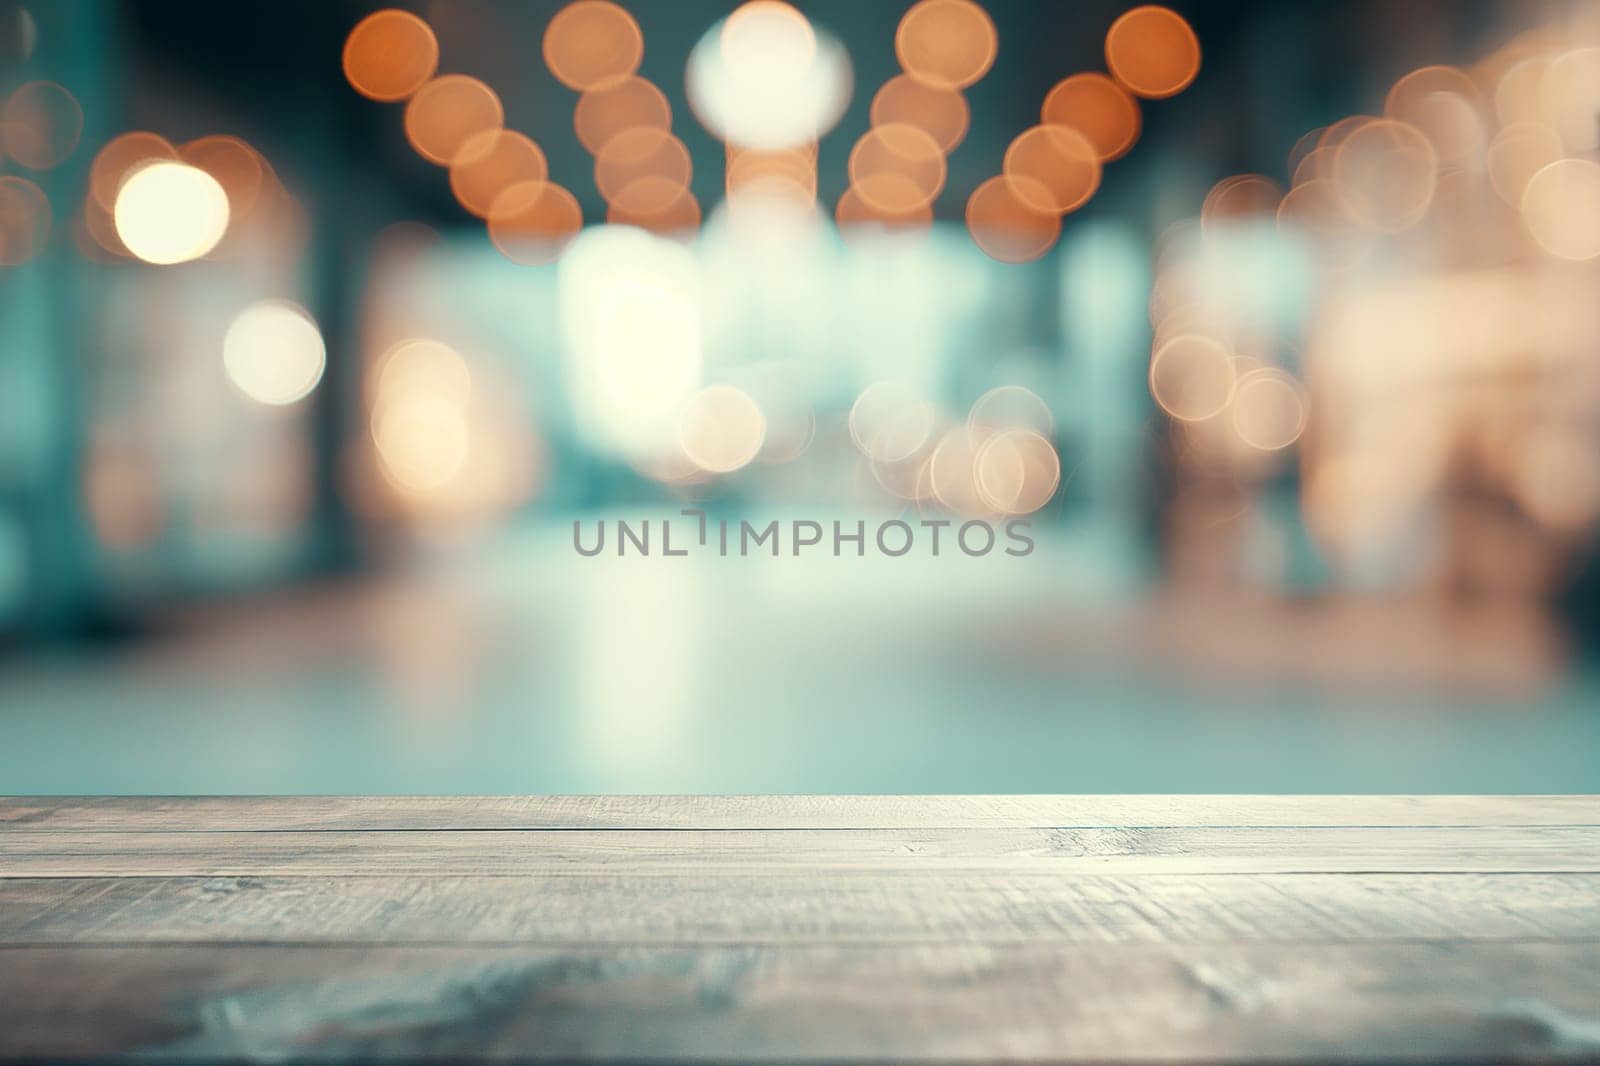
x=527, y=668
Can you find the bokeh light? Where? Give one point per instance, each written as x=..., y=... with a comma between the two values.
x=119, y=157
x=940, y=112
x=1444, y=104
x=389, y=55
x=890, y=422
x=445, y=115
x=777, y=83
x=491, y=162
x=793, y=166
x=169, y=213
x=592, y=44
x=274, y=353
x=636, y=154
x=905, y=152
x=422, y=438
x=1006, y=225
x=1053, y=168
x=1192, y=377
x=633, y=102
x=1097, y=107
x=1239, y=199
x=1385, y=174
x=1568, y=89
x=1516, y=154
x=855, y=213
x=1561, y=206
x=1267, y=409
x=1153, y=52
x=659, y=205
x=949, y=44
x=40, y=125
x=1016, y=471
x=421, y=364
x=24, y=220
x=722, y=429
x=236, y=166
x=531, y=222
x=1010, y=407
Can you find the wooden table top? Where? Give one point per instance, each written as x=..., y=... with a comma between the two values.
x=833, y=928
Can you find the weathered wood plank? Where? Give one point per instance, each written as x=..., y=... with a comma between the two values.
x=1493, y=849
x=819, y=908
x=1456, y=1002
x=163, y=814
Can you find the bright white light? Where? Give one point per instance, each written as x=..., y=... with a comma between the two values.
x=274, y=353
x=765, y=78
x=630, y=308
x=722, y=429
x=171, y=213
x=422, y=439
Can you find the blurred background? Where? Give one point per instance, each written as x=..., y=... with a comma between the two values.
x=321, y=324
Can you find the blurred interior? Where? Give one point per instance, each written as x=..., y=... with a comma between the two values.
x=321, y=325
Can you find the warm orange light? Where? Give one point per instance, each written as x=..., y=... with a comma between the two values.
x=639, y=153
x=1308, y=143
x=942, y=113
x=855, y=212
x=390, y=55
x=1006, y=225
x=24, y=220
x=1318, y=163
x=119, y=157
x=1153, y=52
x=592, y=44
x=680, y=216
x=447, y=112
x=1446, y=106
x=749, y=167
x=949, y=44
x=101, y=229
x=1097, y=107
x=40, y=125
x=237, y=167
x=532, y=222
x=906, y=152
x=1239, y=199
x=1385, y=174
x=1063, y=166
x=491, y=162
x=604, y=113
x=1313, y=209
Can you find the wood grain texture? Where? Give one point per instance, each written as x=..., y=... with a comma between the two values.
x=820, y=908
x=910, y=852
x=244, y=813
x=757, y=929
x=1452, y=1002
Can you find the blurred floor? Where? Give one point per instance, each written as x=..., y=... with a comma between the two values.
x=533, y=670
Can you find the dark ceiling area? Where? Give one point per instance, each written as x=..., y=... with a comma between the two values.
x=1272, y=69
